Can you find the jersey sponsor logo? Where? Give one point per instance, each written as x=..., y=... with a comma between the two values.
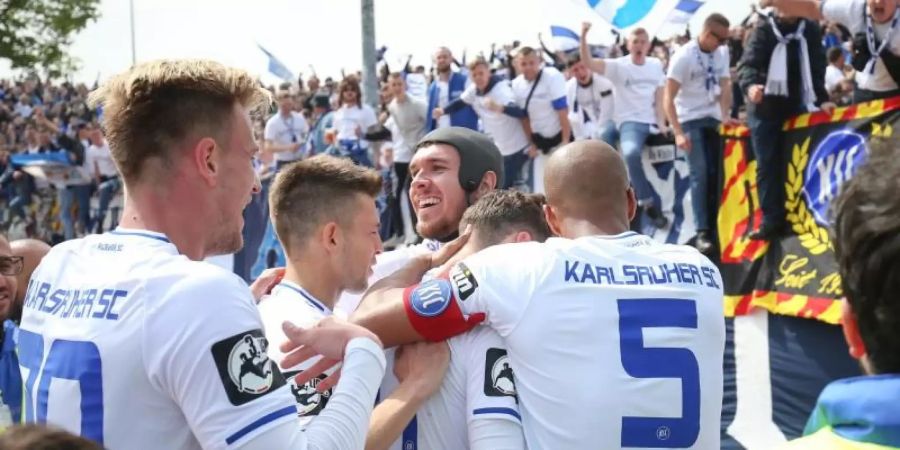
x=244, y=366
x=431, y=298
x=463, y=280
x=499, y=380
x=310, y=402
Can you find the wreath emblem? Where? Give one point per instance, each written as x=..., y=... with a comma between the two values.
x=812, y=236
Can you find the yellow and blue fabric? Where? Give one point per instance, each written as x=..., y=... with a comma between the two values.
x=861, y=413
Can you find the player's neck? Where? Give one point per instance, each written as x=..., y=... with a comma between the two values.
x=153, y=211
x=575, y=228
x=315, y=279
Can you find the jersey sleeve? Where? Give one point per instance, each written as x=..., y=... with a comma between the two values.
x=725, y=58
x=680, y=67
x=270, y=132
x=613, y=70
x=368, y=117
x=468, y=95
x=490, y=385
x=493, y=286
x=215, y=367
x=558, y=91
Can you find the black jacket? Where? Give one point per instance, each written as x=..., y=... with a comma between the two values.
x=754, y=69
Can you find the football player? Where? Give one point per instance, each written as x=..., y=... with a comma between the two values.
x=128, y=338
x=616, y=340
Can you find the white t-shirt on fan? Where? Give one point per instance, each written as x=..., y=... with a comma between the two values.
x=287, y=130
x=689, y=66
x=635, y=88
x=850, y=14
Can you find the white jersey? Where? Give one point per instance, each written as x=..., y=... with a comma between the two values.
x=385, y=264
x=283, y=131
x=479, y=384
x=617, y=341
x=289, y=301
x=128, y=343
x=506, y=131
x=547, y=97
x=590, y=107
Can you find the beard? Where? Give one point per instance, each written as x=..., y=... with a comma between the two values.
x=439, y=229
x=225, y=242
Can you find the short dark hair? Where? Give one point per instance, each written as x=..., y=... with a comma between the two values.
x=835, y=54
x=716, y=19
x=866, y=231
x=40, y=437
x=314, y=191
x=502, y=212
x=479, y=61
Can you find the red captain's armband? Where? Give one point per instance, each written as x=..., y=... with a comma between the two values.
x=434, y=312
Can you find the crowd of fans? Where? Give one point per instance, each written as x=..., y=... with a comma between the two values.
x=40, y=116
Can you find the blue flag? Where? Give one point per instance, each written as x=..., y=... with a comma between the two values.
x=276, y=67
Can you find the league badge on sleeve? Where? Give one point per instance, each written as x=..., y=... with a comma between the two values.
x=431, y=298
x=463, y=280
x=498, y=375
x=310, y=402
x=244, y=366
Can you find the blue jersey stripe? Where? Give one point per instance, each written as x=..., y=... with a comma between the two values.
x=410, y=436
x=288, y=410
x=151, y=236
x=508, y=411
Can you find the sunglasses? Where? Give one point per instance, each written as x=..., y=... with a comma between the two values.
x=11, y=265
x=721, y=40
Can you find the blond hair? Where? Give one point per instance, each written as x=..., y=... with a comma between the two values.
x=315, y=191
x=149, y=109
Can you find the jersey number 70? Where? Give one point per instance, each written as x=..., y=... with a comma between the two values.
x=66, y=360
x=646, y=362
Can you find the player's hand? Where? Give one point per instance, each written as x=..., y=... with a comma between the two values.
x=266, y=281
x=683, y=142
x=533, y=151
x=755, y=93
x=424, y=363
x=828, y=108
x=437, y=113
x=585, y=27
x=328, y=339
x=451, y=248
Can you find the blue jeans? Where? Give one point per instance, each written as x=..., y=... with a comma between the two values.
x=108, y=190
x=79, y=195
x=632, y=137
x=767, y=138
x=512, y=169
x=702, y=160
x=609, y=133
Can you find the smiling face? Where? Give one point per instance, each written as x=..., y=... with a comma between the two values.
x=237, y=183
x=437, y=197
x=360, y=245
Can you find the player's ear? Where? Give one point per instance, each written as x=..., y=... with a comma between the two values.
x=851, y=331
x=552, y=220
x=488, y=184
x=632, y=204
x=205, y=158
x=523, y=236
x=330, y=235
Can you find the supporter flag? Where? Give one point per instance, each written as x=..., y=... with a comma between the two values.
x=651, y=15
x=276, y=67
x=795, y=275
x=564, y=38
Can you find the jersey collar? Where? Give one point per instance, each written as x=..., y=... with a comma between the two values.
x=312, y=301
x=858, y=409
x=119, y=231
